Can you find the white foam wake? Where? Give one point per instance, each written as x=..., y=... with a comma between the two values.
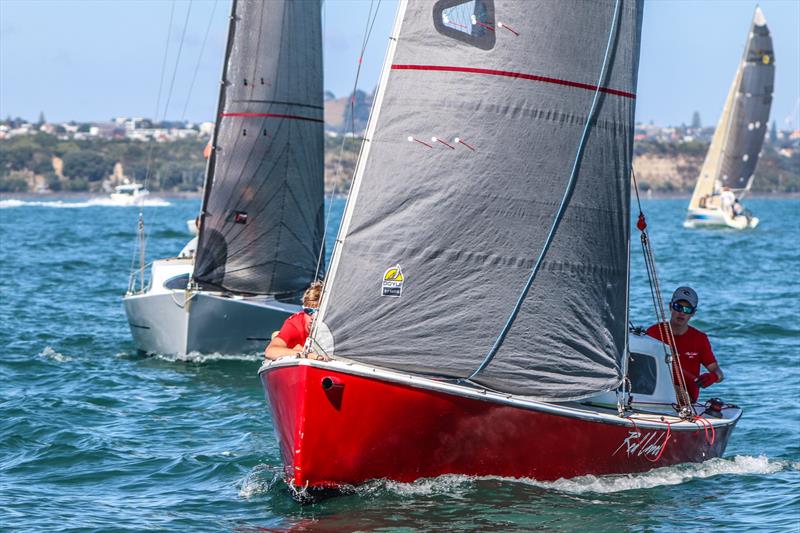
x=259, y=480
x=196, y=357
x=51, y=354
x=94, y=202
x=672, y=475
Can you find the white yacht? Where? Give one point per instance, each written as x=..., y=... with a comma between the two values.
x=129, y=193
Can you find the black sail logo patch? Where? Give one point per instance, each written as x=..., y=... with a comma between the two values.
x=392, y=282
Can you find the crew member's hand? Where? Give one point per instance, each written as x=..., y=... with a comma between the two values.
x=707, y=379
x=315, y=356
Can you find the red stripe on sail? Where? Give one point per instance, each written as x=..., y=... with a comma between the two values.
x=270, y=115
x=510, y=74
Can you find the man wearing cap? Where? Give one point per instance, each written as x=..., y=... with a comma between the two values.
x=692, y=344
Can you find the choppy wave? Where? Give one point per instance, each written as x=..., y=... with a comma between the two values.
x=94, y=202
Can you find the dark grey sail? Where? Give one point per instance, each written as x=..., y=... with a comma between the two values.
x=476, y=128
x=750, y=114
x=262, y=216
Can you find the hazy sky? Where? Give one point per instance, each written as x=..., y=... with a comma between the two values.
x=97, y=59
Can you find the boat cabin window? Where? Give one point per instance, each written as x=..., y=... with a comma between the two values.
x=178, y=282
x=642, y=373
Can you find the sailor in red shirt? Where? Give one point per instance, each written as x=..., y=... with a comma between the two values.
x=291, y=339
x=692, y=344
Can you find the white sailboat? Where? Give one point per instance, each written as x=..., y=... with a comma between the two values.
x=261, y=221
x=730, y=164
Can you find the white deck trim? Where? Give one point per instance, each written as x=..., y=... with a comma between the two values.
x=570, y=409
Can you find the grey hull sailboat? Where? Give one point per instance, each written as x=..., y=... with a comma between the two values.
x=261, y=221
x=476, y=310
x=730, y=164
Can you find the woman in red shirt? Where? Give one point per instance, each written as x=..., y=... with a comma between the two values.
x=291, y=339
x=692, y=344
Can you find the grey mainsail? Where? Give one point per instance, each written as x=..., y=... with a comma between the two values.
x=474, y=133
x=262, y=216
x=735, y=149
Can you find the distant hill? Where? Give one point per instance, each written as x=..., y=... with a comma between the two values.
x=338, y=112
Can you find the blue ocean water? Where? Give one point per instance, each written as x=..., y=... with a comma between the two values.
x=94, y=437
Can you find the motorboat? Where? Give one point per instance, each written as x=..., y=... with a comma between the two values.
x=129, y=193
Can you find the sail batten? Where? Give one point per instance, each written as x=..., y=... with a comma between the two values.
x=463, y=175
x=262, y=214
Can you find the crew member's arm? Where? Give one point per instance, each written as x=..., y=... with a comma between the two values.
x=714, y=374
x=278, y=348
x=714, y=367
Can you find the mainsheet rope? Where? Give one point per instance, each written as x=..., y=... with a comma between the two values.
x=561, y=208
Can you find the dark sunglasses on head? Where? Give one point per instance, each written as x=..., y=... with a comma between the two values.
x=309, y=310
x=685, y=309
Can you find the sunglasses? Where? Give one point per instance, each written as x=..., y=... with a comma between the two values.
x=685, y=309
x=309, y=310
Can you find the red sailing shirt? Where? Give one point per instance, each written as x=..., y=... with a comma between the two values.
x=294, y=330
x=693, y=349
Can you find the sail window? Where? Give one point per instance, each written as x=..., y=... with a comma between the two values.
x=178, y=283
x=750, y=126
x=469, y=21
x=745, y=157
x=642, y=373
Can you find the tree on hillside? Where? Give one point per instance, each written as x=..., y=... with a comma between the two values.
x=87, y=164
x=42, y=121
x=15, y=157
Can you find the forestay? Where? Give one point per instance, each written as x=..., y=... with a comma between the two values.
x=262, y=216
x=476, y=128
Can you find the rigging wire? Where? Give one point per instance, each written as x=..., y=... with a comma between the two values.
x=370, y=24
x=177, y=58
x=664, y=326
x=562, y=207
x=174, y=75
x=140, y=242
x=199, y=60
x=144, y=233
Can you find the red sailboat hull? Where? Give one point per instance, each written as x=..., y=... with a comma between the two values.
x=340, y=428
